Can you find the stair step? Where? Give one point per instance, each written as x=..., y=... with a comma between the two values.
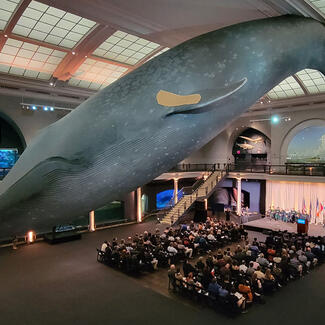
x=187, y=200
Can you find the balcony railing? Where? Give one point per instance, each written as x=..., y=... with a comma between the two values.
x=198, y=167
x=287, y=169
x=297, y=169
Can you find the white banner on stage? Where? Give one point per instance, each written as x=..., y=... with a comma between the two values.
x=298, y=196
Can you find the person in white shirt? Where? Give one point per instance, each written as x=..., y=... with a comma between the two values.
x=243, y=267
x=171, y=249
x=211, y=237
x=104, y=246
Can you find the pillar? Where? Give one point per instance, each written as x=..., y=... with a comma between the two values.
x=92, y=225
x=130, y=206
x=139, y=205
x=239, y=196
x=175, y=191
x=205, y=204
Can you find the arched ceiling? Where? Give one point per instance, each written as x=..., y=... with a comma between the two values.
x=90, y=44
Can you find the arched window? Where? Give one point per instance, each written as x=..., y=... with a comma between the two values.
x=251, y=147
x=307, y=146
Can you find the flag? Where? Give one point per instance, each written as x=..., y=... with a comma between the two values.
x=303, y=210
x=317, y=208
x=321, y=208
x=310, y=208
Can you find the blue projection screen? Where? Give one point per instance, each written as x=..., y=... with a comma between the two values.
x=163, y=198
x=8, y=157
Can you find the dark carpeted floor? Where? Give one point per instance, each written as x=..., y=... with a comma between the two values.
x=64, y=284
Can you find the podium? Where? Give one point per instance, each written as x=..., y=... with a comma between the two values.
x=302, y=226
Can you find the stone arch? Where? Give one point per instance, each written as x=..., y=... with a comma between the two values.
x=238, y=131
x=293, y=131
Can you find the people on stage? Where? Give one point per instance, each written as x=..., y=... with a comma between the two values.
x=286, y=216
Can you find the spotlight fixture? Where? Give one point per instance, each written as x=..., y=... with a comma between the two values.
x=34, y=108
x=73, y=53
x=51, y=109
x=51, y=84
x=45, y=108
x=275, y=119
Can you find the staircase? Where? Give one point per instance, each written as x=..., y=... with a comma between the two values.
x=201, y=193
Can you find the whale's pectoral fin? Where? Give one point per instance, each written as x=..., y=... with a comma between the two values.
x=196, y=103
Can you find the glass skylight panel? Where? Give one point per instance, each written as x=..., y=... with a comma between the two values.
x=29, y=60
x=95, y=74
x=313, y=80
x=7, y=8
x=158, y=53
x=319, y=4
x=286, y=89
x=125, y=48
x=51, y=25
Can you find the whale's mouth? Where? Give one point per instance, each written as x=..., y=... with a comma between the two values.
x=196, y=103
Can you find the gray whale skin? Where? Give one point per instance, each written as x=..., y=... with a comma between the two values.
x=121, y=138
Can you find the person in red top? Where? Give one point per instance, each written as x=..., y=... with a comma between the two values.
x=271, y=253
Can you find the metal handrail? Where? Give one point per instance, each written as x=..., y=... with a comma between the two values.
x=297, y=169
x=198, y=167
x=222, y=173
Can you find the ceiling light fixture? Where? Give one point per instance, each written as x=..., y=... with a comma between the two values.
x=35, y=107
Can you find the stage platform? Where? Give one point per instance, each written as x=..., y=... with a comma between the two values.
x=271, y=224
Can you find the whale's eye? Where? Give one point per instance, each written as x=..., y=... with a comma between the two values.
x=165, y=98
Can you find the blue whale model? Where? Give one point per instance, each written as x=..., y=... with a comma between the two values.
x=144, y=123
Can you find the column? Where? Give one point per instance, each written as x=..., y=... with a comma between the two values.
x=92, y=226
x=139, y=205
x=239, y=196
x=205, y=204
x=175, y=191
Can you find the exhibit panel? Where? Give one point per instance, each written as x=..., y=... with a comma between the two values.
x=303, y=197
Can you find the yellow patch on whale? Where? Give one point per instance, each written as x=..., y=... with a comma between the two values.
x=166, y=98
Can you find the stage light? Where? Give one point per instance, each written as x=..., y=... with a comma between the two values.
x=34, y=108
x=275, y=119
x=45, y=108
x=51, y=109
x=51, y=83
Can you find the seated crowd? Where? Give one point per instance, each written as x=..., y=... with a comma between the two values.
x=148, y=251
x=237, y=278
